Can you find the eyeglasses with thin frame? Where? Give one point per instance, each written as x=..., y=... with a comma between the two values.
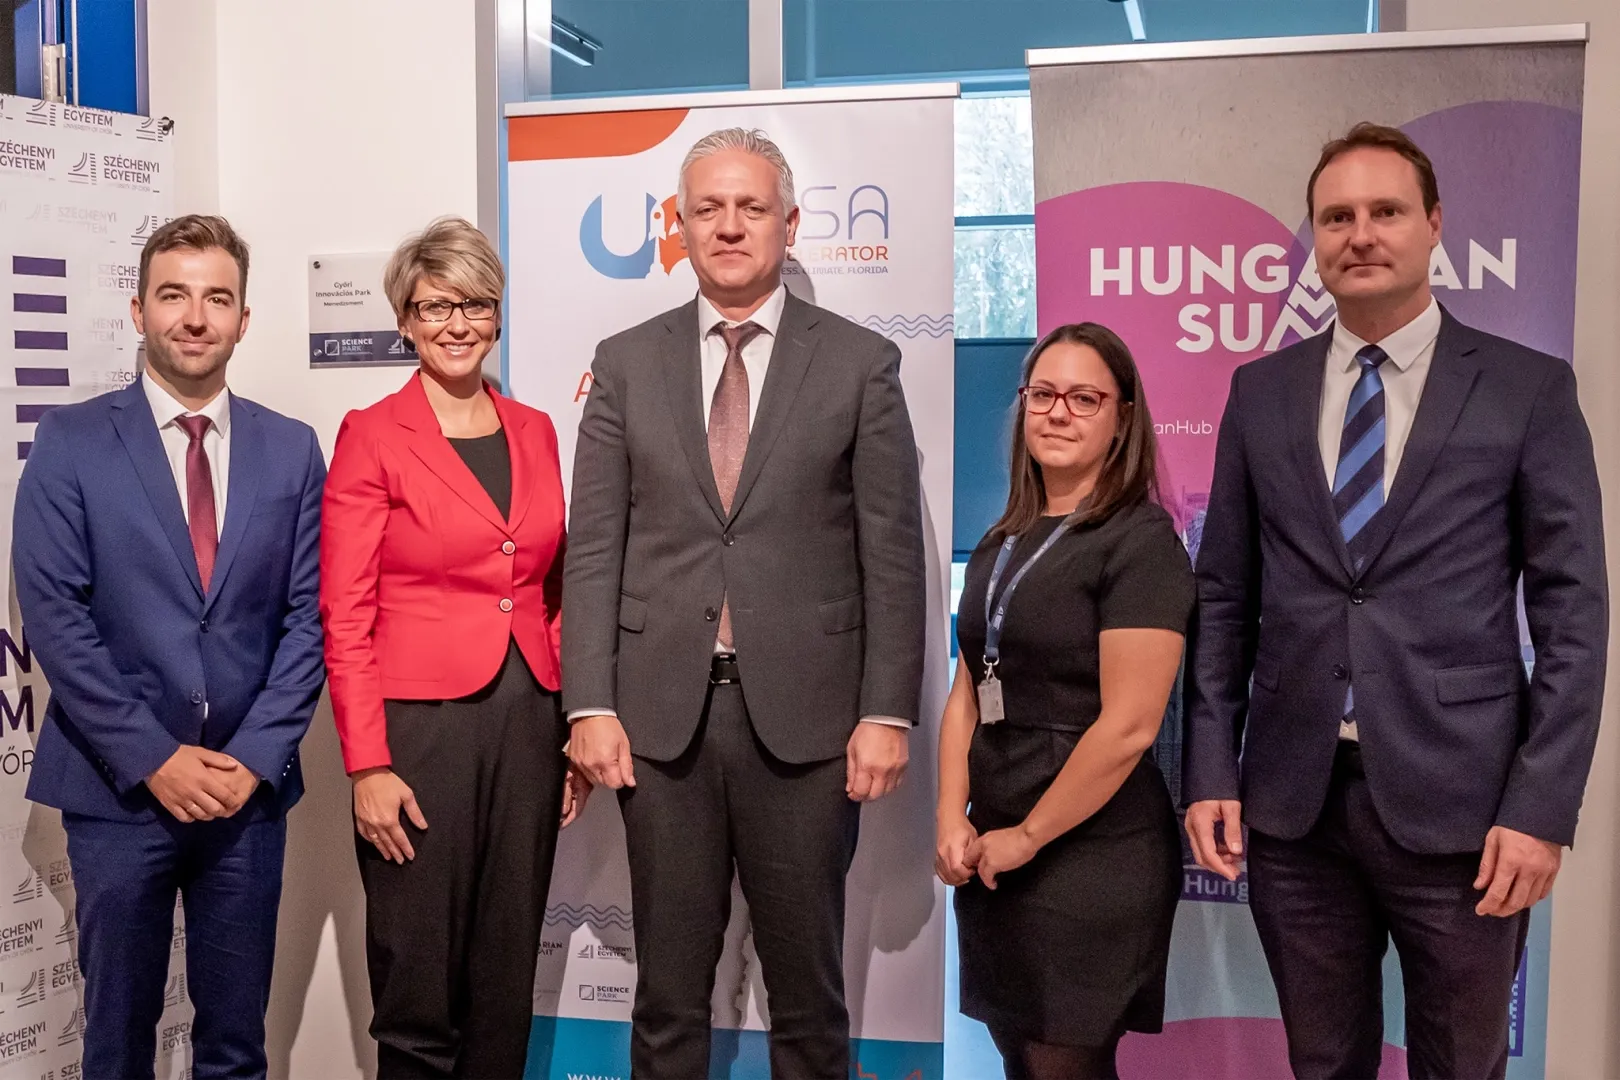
x=477, y=309
x=1082, y=401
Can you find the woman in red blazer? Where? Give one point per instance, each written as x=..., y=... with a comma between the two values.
x=441, y=581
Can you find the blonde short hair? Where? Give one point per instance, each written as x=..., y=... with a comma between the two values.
x=450, y=251
x=749, y=142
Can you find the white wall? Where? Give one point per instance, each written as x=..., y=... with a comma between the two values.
x=1583, y=1036
x=320, y=126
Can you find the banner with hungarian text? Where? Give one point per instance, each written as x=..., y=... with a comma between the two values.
x=80, y=191
x=594, y=247
x=1170, y=206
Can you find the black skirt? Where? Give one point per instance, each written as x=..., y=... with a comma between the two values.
x=1072, y=948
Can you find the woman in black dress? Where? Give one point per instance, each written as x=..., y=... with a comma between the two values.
x=1053, y=824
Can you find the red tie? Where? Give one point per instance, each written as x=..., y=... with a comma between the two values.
x=200, y=497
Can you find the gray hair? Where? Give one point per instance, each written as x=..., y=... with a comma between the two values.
x=749, y=142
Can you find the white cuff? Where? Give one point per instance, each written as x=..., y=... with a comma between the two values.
x=886, y=721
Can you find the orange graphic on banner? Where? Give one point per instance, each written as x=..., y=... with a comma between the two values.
x=671, y=244
x=585, y=135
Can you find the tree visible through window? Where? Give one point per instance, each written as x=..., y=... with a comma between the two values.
x=995, y=218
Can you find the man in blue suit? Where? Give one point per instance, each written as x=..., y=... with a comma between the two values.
x=166, y=557
x=1357, y=695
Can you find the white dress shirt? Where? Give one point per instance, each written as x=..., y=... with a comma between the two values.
x=216, y=442
x=756, y=357
x=1410, y=350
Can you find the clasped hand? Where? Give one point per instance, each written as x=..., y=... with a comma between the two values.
x=962, y=852
x=197, y=784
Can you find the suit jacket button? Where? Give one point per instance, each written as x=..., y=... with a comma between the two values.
x=709, y=614
x=1357, y=595
x=196, y=697
x=203, y=626
x=726, y=539
x=1339, y=672
x=506, y=605
x=508, y=547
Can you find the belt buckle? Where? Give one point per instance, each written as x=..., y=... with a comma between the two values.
x=723, y=670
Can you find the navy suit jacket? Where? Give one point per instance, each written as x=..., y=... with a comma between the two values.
x=1497, y=485
x=138, y=658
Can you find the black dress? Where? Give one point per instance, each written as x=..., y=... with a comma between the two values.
x=452, y=935
x=1071, y=948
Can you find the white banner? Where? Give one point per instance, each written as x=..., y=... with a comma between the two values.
x=594, y=248
x=80, y=191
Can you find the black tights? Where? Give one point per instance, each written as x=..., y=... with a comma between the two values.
x=1027, y=1060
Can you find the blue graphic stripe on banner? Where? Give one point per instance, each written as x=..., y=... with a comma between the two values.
x=25, y=264
x=22, y=450
x=42, y=376
x=52, y=340
x=39, y=303
x=30, y=414
x=567, y=1048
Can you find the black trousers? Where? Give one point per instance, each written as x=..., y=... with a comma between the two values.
x=1326, y=907
x=790, y=832
x=452, y=936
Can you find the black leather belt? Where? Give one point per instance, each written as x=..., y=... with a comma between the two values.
x=723, y=670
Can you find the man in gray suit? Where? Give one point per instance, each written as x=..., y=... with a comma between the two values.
x=743, y=615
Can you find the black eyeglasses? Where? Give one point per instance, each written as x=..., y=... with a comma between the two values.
x=1082, y=401
x=437, y=311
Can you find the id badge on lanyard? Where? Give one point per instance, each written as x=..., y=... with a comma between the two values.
x=992, y=707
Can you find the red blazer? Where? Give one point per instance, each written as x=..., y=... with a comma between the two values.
x=423, y=584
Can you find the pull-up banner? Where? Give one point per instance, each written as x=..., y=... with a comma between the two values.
x=594, y=247
x=1170, y=206
x=81, y=190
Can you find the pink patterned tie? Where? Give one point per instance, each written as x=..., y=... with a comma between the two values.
x=728, y=430
x=200, y=497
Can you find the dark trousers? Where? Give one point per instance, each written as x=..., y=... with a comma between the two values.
x=452, y=935
x=228, y=875
x=790, y=832
x=1326, y=907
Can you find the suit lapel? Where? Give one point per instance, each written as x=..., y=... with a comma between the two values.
x=413, y=412
x=241, y=491
x=519, y=446
x=1451, y=376
x=137, y=429
x=683, y=384
x=791, y=352
x=1304, y=406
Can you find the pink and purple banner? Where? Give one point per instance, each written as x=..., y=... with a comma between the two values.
x=1170, y=206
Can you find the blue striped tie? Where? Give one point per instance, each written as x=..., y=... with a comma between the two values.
x=1358, y=481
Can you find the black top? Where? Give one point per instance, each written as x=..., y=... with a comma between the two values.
x=1128, y=571
x=490, y=460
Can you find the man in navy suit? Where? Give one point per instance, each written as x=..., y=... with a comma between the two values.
x=1357, y=695
x=166, y=558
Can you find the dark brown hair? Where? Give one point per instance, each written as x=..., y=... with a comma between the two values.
x=1379, y=137
x=1130, y=471
x=196, y=232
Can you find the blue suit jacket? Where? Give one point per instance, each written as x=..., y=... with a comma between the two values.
x=1497, y=484
x=139, y=659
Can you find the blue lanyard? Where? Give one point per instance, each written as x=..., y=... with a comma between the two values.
x=995, y=612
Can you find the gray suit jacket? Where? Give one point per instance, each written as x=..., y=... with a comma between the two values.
x=821, y=555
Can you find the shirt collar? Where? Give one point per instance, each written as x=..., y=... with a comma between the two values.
x=768, y=317
x=1402, y=347
x=166, y=410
